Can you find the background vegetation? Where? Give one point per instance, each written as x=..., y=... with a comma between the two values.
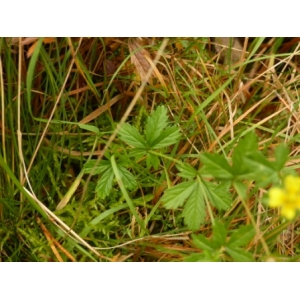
x=117, y=149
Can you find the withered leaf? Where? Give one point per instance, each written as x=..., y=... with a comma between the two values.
x=48, y=40
x=110, y=67
x=138, y=58
x=230, y=49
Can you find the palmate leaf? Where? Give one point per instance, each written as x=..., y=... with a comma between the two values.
x=241, y=189
x=281, y=155
x=127, y=178
x=131, y=136
x=203, y=243
x=157, y=134
x=205, y=256
x=211, y=247
x=186, y=171
x=105, y=183
x=242, y=236
x=263, y=171
x=219, y=195
x=239, y=255
x=247, y=146
x=196, y=257
x=152, y=161
x=156, y=123
x=168, y=137
x=96, y=167
x=216, y=165
x=176, y=195
x=194, y=210
x=219, y=234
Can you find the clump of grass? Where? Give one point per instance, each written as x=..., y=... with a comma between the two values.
x=79, y=184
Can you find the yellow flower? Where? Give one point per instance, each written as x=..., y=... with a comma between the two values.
x=288, y=197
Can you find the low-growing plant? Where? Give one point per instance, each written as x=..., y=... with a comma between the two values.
x=211, y=188
x=100, y=160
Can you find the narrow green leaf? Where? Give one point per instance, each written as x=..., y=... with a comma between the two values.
x=125, y=194
x=194, y=210
x=156, y=123
x=239, y=255
x=131, y=136
x=31, y=72
x=257, y=42
x=20, y=187
x=176, y=195
x=90, y=128
x=87, y=76
x=168, y=137
x=216, y=165
x=105, y=184
x=242, y=236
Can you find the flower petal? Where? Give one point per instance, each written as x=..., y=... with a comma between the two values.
x=276, y=197
x=288, y=212
x=292, y=184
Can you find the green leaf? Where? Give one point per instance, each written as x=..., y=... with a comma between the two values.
x=242, y=236
x=205, y=256
x=89, y=128
x=131, y=136
x=203, y=243
x=218, y=195
x=216, y=166
x=195, y=257
x=281, y=155
x=152, y=161
x=239, y=255
x=125, y=194
x=96, y=167
x=127, y=178
x=247, y=146
x=156, y=123
x=105, y=183
x=31, y=71
x=168, y=137
x=176, y=195
x=186, y=171
x=219, y=234
x=241, y=189
x=137, y=153
x=194, y=210
x=263, y=171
